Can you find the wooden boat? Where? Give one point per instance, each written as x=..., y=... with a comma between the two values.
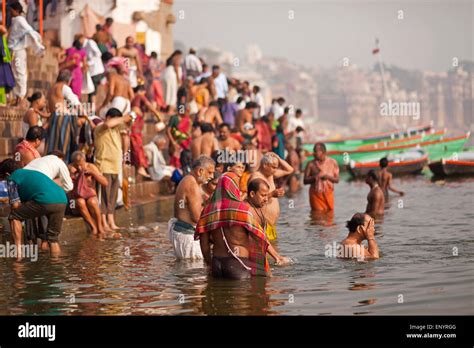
x=436, y=149
x=352, y=143
x=457, y=165
x=419, y=138
x=405, y=163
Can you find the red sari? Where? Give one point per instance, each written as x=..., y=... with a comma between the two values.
x=136, y=135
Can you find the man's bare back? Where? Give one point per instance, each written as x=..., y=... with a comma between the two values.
x=188, y=200
x=375, y=202
x=237, y=238
x=230, y=144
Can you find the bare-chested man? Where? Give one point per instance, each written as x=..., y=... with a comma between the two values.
x=61, y=98
x=211, y=114
x=321, y=173
x=272, y=167
x=134, y=65
x=205, y=143
x=230, y=255
x=225, y=141
x=385, y=178
x=119, y=93
x=293, y=159
x=375, y=198
x=361, y=227
x=187, y=209
x=244, y=119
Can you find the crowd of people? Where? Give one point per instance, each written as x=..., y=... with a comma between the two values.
x=225, y=154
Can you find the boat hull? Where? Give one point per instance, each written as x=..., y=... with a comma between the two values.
x=412, y=167
x=444, y=168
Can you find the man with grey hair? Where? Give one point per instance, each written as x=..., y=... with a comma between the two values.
x=187, y=209
x=272, y=167
x=158, y=168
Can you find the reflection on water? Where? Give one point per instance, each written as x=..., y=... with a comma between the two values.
x=139, y=275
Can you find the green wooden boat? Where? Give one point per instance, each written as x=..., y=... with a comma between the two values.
x=436, y=149
x=352, y=143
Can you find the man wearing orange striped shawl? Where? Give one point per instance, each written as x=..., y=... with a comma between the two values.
x=237, y=231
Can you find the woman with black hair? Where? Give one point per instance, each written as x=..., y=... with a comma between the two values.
x=37, y=111
x=76, y=62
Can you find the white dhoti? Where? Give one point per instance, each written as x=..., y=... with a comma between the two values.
x=181, y=235
x=132, y=76
x=19, y=72
x=121, y=103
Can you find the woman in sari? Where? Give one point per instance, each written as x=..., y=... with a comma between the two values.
x=76, y=62
x=7, y=81
x=179, y=134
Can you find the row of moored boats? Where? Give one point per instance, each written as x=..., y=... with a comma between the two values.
x=408, y=152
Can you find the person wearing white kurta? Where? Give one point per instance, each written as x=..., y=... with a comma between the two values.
x=21, y=36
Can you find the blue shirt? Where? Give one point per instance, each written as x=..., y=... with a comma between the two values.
x=37, y=187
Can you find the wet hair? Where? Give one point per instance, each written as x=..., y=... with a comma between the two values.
x=35, y=133
x=268, y=158
x=254, y=185
x=113, y=112
x=251, y=105
x=372, y=175
x=139, y=88
x=64, y=76
x=321, y=146
x=107, y=56
x=224, y=125
x=203, y=161
x=8, y=165
x=77, y=44
x=78, y=153
x=16, y=6
x=35, y=96
x=357, y=220
x=186, y=159
x=206, y=128
x=57, y=153
x=383, y=162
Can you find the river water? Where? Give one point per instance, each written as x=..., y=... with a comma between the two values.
x=426, y=265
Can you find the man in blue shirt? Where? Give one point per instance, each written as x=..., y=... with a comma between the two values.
x=39, y=196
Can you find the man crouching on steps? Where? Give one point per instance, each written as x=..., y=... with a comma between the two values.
x=187, y=209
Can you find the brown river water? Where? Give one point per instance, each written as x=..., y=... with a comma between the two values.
x=426, y=265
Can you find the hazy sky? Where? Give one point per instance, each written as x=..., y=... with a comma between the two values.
x=322, y=33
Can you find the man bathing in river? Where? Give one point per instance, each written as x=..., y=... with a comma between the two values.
x=236, y=229
x=361, y=227
x=187, y=209
x=272, y=167
x=385, y=178
x=321, y=173
x=375, y=198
